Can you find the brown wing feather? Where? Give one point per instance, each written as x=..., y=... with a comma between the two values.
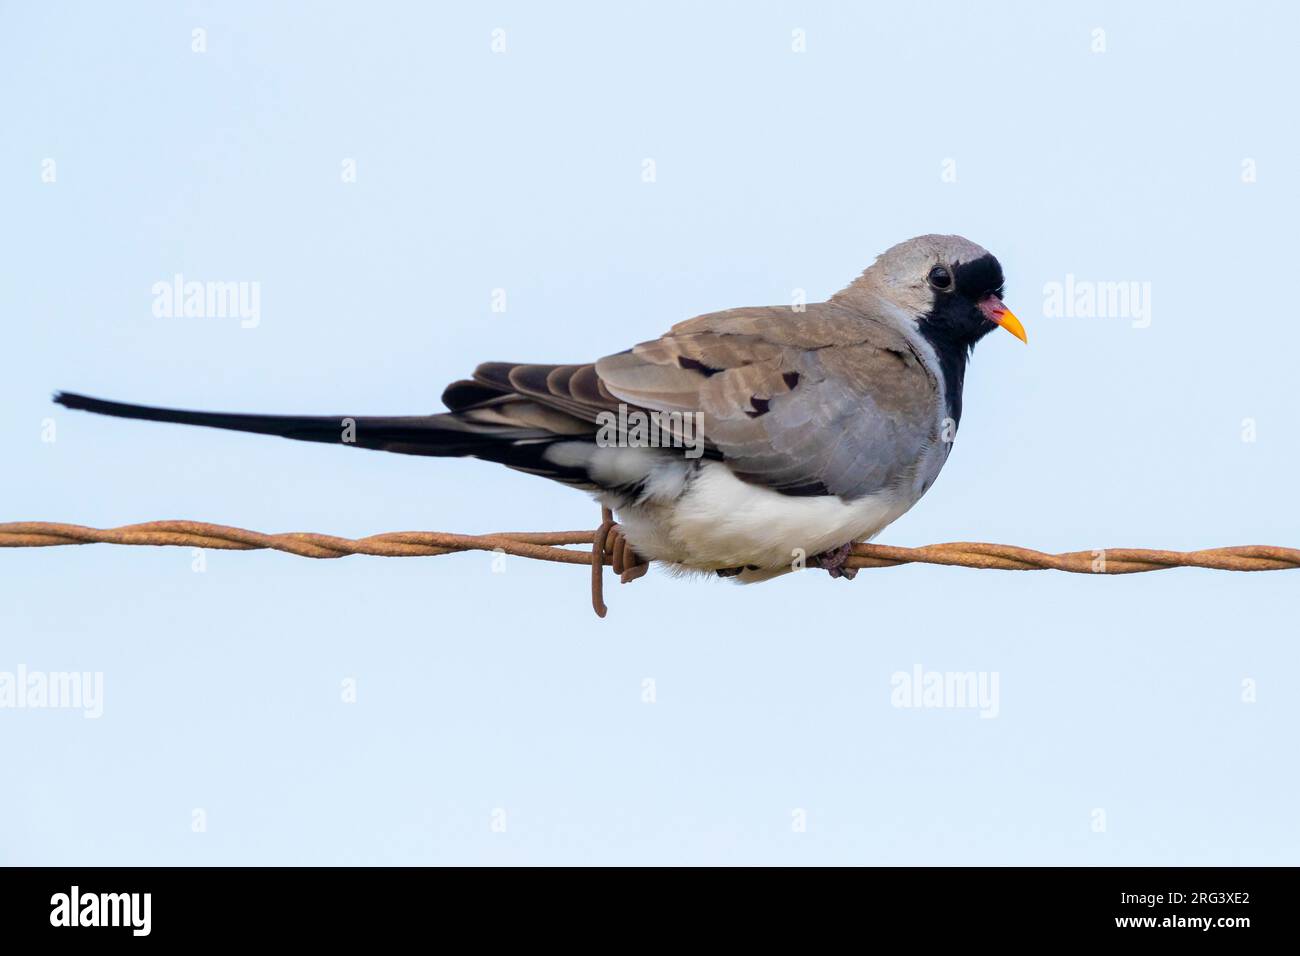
x=825, y=401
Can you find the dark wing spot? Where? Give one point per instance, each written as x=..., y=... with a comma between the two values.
x=697, y=365
x=791, y=379
x=760, y=406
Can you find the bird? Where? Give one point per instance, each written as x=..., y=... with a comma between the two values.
x=744, y=443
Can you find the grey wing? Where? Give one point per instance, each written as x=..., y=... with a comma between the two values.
x=821, y=402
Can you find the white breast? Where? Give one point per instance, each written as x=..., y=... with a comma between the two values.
x=723, y=522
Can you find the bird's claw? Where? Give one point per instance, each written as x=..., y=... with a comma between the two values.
x=834, y=562
x=609, y=543
x=627, y=564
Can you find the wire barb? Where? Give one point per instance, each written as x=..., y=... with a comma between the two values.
x=556, y=546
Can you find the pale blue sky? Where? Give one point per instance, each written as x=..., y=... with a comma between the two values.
x=523, y=170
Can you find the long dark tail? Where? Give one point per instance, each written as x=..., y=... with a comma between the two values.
x=443, y=435
x=454, y=434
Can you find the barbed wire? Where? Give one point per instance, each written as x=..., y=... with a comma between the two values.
x=607, y=549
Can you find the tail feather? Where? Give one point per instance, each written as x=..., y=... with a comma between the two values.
x=519, y=443
x=442, y=434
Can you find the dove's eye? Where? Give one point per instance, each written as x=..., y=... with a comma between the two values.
x=940, y=278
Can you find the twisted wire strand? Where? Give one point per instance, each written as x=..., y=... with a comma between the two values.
x=605, y=547
x=540, y=545
x=1006, y=557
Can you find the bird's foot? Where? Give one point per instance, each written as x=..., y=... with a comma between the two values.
x=627, y=564
x=834, y=562
x=609, y=543
x=736, y=572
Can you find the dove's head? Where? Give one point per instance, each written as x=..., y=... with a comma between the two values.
x=950, y=288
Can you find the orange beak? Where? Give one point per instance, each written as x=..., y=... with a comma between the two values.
x=999, y=314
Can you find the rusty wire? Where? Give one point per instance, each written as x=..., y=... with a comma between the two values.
x=608, y=549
